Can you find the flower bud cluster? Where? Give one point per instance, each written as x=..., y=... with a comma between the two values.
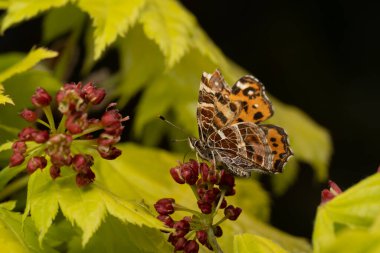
x=56, y=145
x=210, y=187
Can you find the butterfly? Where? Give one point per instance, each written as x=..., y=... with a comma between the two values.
x=230, y=133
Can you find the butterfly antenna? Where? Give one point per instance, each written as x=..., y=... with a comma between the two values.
x=170, y=123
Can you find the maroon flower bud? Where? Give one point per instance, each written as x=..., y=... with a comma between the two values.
x=181, y=227
x=19, y=147
x=194, y=165
x=223, y=204
x=76, y=122
x=27, y=134
x=83, y=179
x=165, y=206
x=180, y=244
x=41, y=98
x=28, y=115
x=41, y=136
x=232, y=213
x=328, y=195
x=189, y=174
x=226, y=179
x=210, y=195
x=205, y=207
x=55, y=172
x=106, y=139
x=166, y=219
x=36, y=162
x=218, y=232
x=109, y=153
x=16, y=159
x=191, y=247
x=202, y=236
x=111, y=117
x=204, y=171
x=82, y=162
x=176, y=175
x=93, y=94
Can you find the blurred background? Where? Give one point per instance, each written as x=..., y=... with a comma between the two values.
x=321, y=56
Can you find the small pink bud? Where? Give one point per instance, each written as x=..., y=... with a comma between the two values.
x=202, y=236
x=82, y=162
x=19, y=147
x=27, y=134
x=232, y=213
x=36, y=162
x=191, y=247
x=41, y=98
x=165, y=206
x=166, y=219
x=109, y=153
x=55, y=172
x=176, y=175
x=93, y=94
x=180, y=244
x=83, y=179
x=16, y=159
x=41, y=136
x=28, y=115
x=329, y=194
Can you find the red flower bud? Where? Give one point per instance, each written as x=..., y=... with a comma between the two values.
x=27, y=134
x=83, y=179
x=41, y=136
x=191, y=247
x=41, y=98
x=205, y=207
x=218, y=232
x=176, y=175
x=181, y=227
x=180, y=244
x=327, y=195
x=166, y=219
x=93, y=94
x=19, y=147
x=202, y=236
x=165, y=206
x=82, y=162
x=232, y=213
x=76, y=122
x=36, y=162
x=111, y=117
x=189, y=173
x=55, y=172
x=109, y=153
x=16, y=159
x=28, y=115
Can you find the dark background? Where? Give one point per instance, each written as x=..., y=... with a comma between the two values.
x=322, y=56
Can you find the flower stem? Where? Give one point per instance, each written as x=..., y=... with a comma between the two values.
x=14, y=187
x=221, y=220
x=43, y=123
x=50, y=118
x=194, y=189
x=182, y=208
x=219, y=202
x=61, y=126
x=212, y=240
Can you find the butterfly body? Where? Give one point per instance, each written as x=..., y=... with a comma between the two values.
x=229, y=130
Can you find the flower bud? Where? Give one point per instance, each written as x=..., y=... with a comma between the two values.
x=218, y=232
x=16, y=159
x=176, y=175
x=28, y=115
x=83, y=179
x=191, y=247
x=93, y=94
x=41, y=98
x=180, y=244
x=82, y=162
x=165, y=206
x=27, y=134
x=181, y=227
x=205, y=207
x=19, y=147
x=189, y=174
x=202, y=236
x=36, y=162
x=109, y=153
x=166, y=219
x=232, y=213
x=41, y=136
x=55, y=172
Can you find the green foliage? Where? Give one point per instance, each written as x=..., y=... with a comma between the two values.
x=162, y=54
x=353, y=212
x=253, y=243
x=17, y=235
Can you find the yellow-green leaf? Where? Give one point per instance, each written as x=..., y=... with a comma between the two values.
x=111, y=18
x=170, y=26
x=33, y=57
x=249, y=243
x=19, y=10
x=4, y=98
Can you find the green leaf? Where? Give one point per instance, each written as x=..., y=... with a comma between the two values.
x=56, y=22
x=85, y=207
x=16, y=236
x=33, y=57
x=141, y=60
x=357, y=207
x=19, y=10
x=111, y=18
x=4, y=98
x=170, y=26
x=119, y=237
x=246, y=243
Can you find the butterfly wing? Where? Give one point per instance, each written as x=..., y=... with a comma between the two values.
x=255, y=106
x=242, y=147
